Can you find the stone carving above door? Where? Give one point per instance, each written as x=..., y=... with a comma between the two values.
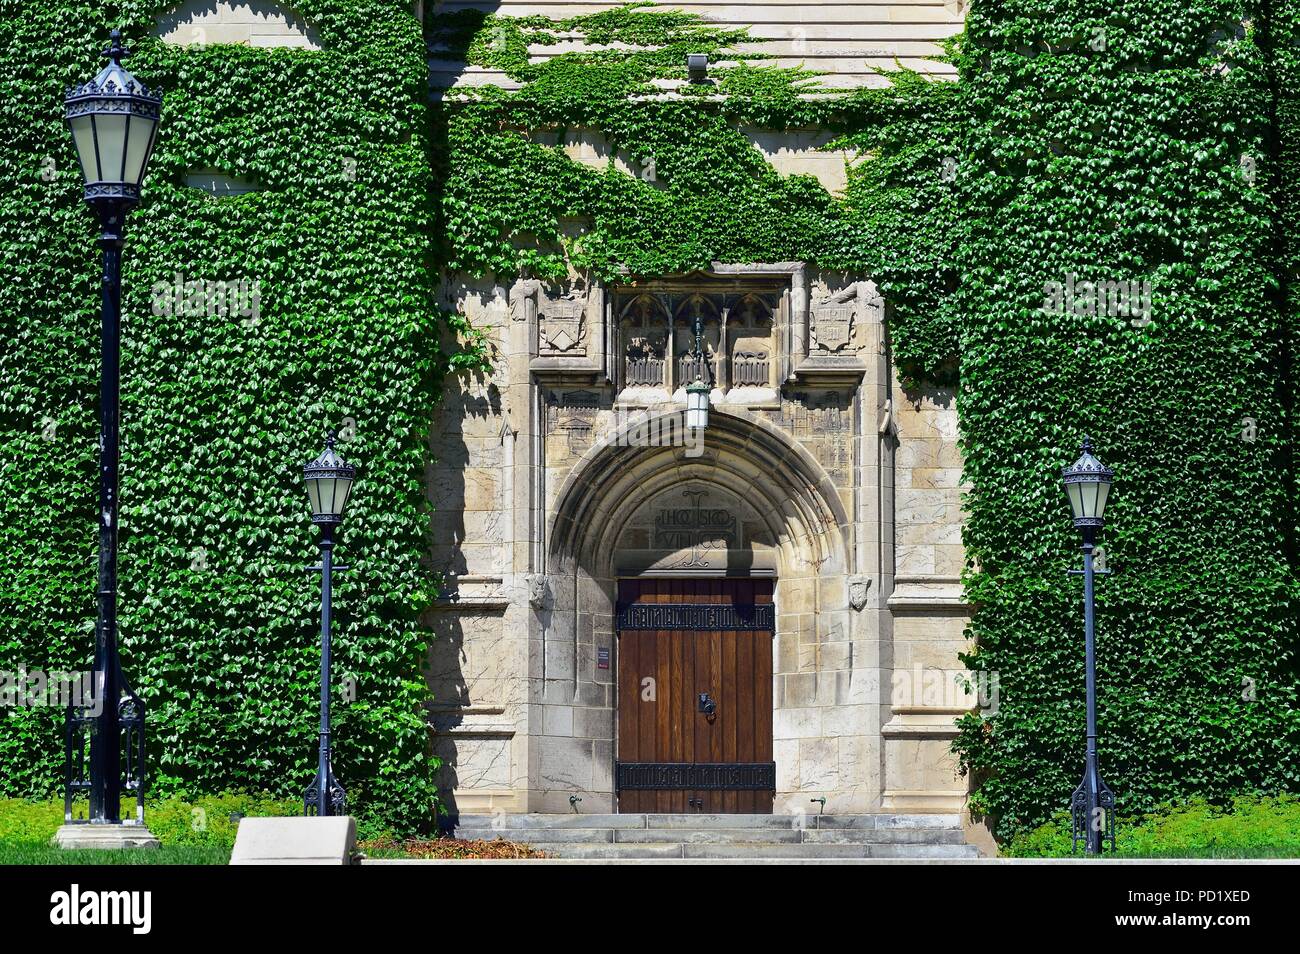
x=694, y=529
x=656, y=334
x=764, y=328
x=823, y=422
x=570, y=419
x=697, y=528
x=838, y=313
x=559, y=313
x=644, y=335
x=563, y=321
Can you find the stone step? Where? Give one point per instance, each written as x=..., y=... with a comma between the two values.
x=541, y=836
x=923, y=851
x=659, y=860
x=755, y=852
x=514, y=820
x=881, y=820
x=885, y=836
x=727, y=837
x=715, y=836
x=830, y=851
x=777, y=851
x=636, y=836
x=594, y=852
x=704, y=822
x=718, y=836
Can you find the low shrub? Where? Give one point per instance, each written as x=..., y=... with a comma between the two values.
x=207, y=820
x=30, y=854
x=24, y=822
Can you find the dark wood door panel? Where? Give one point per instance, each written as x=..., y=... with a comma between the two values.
x=672, y=756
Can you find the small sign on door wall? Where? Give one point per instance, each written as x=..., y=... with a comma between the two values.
x=602, y=657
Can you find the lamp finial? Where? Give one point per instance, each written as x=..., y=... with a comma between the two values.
x=1087, y=444
x=116, y=51
x=330, y=437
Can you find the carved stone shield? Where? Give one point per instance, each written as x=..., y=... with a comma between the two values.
x=858, y=586
x=833, y=325
x=562, y=321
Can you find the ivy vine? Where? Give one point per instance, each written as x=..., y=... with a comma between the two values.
x=219, y=613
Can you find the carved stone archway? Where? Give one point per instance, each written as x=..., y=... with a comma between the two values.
x=742, y=453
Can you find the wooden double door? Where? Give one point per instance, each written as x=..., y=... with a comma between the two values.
x=695, y=696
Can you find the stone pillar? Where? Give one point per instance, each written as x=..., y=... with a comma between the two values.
x=929, y=615
x=798, y=319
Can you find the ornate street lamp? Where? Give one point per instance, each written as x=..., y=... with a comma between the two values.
x=114, y=124
x=697, y=392
x=1087, y=483
x=329, y=483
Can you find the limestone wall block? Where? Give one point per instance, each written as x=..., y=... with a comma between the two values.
x=796, y=723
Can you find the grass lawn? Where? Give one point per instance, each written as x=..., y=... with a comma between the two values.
x=1249, y=826
x=1258, y=851
x=35, y=854
x=200, y=831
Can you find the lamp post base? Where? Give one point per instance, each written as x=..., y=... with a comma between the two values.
x=90, y=835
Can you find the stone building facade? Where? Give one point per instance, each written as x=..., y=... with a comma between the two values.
x=568, y=472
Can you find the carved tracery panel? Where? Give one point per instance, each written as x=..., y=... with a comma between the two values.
x=752, y=344
x=738, y=331
x=643, y=335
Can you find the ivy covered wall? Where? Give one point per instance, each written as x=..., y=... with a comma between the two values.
x=219, y=612
x=696, y=188
x=1129, y=142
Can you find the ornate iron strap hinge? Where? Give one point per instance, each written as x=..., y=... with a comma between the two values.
x=703, y=776
x=726, y=617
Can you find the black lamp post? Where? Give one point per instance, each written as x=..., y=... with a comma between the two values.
x=114, y=123
x=329, y=482
x=1087, y=484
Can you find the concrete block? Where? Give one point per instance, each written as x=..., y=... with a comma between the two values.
x=103, y=836
x=295, y=841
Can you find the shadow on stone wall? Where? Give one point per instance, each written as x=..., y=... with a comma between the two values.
x=450, y=452
x=463, y=654
x=258, y=23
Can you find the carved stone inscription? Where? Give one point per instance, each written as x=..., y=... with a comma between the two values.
x=695, y=527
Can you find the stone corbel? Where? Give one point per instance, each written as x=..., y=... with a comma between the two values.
x=539, y=590
x=886, y=426
x=859, y=585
